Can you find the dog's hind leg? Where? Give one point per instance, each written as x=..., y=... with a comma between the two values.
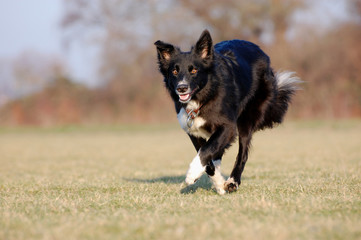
x=251, y=119
x=234, y=179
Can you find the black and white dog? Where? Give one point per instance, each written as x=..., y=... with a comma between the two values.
x=220, y=92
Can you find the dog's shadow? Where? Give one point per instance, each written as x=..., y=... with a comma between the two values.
x=202, y=183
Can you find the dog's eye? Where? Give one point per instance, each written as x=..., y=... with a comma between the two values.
x=175, y=72
x=194, y=71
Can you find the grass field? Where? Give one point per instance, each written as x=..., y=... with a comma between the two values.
x=302, y=181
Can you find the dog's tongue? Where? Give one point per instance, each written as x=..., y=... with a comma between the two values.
x=184, y=97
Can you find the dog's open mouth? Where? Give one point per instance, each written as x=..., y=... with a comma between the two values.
x=186, y=97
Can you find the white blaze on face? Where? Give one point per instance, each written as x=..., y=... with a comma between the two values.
x=184, y=98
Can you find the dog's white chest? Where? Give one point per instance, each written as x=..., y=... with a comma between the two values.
x=195, y=128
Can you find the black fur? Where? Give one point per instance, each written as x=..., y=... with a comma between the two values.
x=236, y=88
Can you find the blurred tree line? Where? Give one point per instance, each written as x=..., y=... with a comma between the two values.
x=132, y=89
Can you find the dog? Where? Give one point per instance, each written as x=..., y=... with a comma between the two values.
x=220, y=92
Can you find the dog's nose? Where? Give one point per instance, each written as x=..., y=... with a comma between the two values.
x=182, y=88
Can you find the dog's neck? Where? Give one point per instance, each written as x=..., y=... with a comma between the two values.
x=193, y=105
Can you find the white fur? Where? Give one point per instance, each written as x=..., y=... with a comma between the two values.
x=192, y=105
x=217, y=178
x=195, y=171
x=287, y=79
x=182, y=119
x=196, y=129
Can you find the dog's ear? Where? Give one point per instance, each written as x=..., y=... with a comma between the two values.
x=165, y=54
x=165, y=50
x=204, y=46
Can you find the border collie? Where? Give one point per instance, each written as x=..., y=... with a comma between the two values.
x=221, y=92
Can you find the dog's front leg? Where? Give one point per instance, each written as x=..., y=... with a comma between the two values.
x=208, y=158
x=195, y=171
x=216, y=176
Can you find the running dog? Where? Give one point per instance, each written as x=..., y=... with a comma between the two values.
x=220, y=92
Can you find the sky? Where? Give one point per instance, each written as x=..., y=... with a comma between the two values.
x=323, y=13
x=35, y=25
x=25, y=25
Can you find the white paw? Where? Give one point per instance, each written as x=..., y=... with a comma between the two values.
x=195, y=171
x=217, y=178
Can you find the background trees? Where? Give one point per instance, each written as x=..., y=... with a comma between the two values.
x=131, y=89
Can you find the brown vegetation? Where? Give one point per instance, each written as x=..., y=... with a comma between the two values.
x=132, y=89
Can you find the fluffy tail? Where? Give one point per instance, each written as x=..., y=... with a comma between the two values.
x=287, y=83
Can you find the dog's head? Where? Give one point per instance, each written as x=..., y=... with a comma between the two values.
x=186, y=73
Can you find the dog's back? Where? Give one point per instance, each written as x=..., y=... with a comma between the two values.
x=256, y=80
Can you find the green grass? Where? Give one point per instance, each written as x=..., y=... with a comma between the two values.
x=302, y=181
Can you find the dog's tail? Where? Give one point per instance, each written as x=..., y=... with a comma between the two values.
x=288, y=81
x=286, y=84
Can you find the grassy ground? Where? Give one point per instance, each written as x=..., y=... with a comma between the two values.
x=302, y=181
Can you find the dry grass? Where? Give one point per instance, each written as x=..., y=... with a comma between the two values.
x=302, y=181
